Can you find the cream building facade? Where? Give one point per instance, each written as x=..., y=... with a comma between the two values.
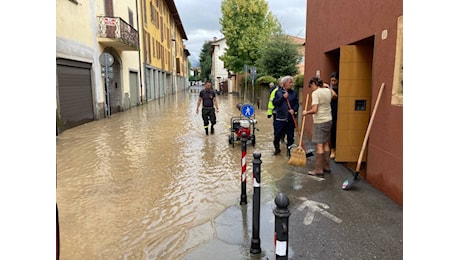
x=91, y=34
x=219, y=74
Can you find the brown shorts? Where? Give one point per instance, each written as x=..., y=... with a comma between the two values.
x=321, y=132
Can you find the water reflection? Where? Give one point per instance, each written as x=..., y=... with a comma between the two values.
x=135, y=185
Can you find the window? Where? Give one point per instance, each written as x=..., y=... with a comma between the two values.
x=145, y=13
x=161, y=29
x=158, y=50
x=146, y=50
x=157, y=20
x=152, y=13
x=153, y=47
x=149, y=52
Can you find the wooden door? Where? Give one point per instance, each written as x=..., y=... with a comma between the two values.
x=354, y=101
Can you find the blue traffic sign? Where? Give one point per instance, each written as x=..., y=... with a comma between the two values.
x=247, y=110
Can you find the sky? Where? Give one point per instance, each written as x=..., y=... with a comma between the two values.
x=200, y=20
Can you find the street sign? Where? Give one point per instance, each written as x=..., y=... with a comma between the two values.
x=110, y=21
x=247, y=110
x=106, y=59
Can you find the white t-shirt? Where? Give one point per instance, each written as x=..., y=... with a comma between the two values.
x=322, y=97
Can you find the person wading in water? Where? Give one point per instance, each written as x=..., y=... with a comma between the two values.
x=208, y=113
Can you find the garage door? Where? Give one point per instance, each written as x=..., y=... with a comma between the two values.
x=74, y=92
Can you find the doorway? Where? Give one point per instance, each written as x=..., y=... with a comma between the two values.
x=354, y=100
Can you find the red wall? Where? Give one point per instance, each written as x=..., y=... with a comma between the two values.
x=331, y=24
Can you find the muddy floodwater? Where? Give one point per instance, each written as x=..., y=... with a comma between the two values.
x=140, y=184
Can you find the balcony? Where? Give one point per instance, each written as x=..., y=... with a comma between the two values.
x=115, y=32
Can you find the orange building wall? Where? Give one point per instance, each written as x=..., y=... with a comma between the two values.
x=331, y=24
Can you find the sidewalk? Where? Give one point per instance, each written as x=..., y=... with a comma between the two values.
x=326, y=222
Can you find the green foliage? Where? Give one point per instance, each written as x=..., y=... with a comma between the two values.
x=246, y=25
x=206, y=61
x=265, y=80
x=298, y=81
x=279, y=56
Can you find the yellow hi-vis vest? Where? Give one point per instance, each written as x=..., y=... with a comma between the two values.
x=270, y=101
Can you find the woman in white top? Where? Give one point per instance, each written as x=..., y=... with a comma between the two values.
x=322, y=123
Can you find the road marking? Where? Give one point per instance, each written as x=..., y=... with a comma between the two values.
x=312, y=208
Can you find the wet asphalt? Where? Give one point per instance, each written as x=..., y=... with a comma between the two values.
x=324, y=222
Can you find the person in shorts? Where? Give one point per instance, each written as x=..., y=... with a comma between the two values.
x=322, y=124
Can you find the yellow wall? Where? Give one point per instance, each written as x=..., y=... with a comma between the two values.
x=166, y=43
x=73, y=22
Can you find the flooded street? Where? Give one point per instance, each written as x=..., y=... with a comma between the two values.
x=135, y=185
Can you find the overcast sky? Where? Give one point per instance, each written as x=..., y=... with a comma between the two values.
x=200, y=20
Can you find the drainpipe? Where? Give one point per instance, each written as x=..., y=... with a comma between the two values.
x=140, y=49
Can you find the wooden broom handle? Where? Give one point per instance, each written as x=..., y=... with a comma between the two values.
x=303, y=119
x=363, y=147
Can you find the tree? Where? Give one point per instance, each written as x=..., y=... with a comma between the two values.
x=246, y=25
x=279, y=57
x=206, y=61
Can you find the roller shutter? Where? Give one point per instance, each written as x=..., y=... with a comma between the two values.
x=74, y=92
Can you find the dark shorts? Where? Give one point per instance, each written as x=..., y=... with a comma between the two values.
x=321, y=132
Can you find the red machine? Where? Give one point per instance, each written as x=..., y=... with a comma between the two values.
x=243, y=124
x=240, y=125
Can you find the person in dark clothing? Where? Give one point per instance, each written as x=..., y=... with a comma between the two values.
x=271, y=111
x=209, y=99
x=286, y=104
x=334, y=85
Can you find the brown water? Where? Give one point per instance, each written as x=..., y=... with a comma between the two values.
x=135, y=185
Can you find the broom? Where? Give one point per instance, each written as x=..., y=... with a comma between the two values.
x=347, y=184
x=298, y=156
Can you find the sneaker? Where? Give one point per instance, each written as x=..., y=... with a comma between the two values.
x=313, y=173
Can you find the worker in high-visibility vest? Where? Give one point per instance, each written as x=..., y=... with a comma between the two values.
x=270, y=106
x=271, y=111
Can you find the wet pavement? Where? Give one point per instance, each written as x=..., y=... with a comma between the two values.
x=326, y=222
x=148, y=184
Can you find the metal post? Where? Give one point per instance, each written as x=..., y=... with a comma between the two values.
x=107, y=91
x=253, y=77
x=244, y=139
x=255, y=241
x=245, y=82
x=281, y=213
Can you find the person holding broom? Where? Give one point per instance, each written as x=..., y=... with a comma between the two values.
x=322, y=123
x=286, y=103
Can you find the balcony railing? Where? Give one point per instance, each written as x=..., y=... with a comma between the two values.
x=115, y=32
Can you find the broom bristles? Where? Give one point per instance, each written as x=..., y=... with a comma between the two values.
x=298, y=157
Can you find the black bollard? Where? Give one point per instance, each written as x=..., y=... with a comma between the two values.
x=282, y=214
x=244, y=199
x=255, y=241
